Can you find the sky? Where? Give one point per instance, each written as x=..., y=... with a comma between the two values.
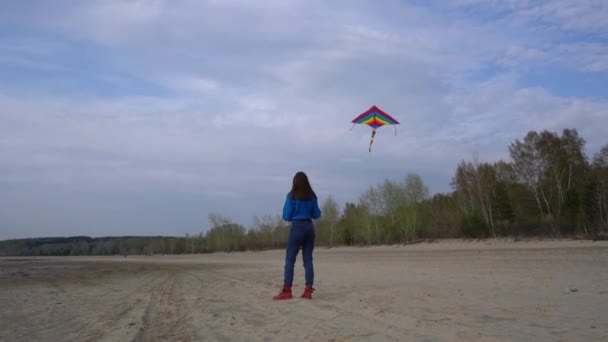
x=143, y=117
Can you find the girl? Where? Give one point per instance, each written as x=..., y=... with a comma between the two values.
x=300, y=208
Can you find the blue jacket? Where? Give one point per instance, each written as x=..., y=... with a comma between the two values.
x=300, y=210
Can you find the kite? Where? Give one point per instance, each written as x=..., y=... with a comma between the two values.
x=375, y=117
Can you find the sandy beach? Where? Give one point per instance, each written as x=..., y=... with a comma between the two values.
x=441, y=291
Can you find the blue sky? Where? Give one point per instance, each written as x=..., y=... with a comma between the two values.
x=142, y=117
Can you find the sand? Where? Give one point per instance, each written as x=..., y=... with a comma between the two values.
x=443, y=291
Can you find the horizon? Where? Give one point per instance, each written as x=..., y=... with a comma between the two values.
x=142, y=118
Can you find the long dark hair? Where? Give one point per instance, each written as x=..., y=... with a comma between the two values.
x=301, y=189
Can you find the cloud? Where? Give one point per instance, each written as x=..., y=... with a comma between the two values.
x=582, y=16
x=145, y=113
x=566, y=15
x=592, y=57
x=498, y=112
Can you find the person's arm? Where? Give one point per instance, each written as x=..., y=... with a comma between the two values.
x=287, y=209
x=316, y=212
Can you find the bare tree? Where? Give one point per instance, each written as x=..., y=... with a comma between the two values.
x=371, y=200
x=528, y=166
x=415, y=192
x=330, y=216
x=600, y=164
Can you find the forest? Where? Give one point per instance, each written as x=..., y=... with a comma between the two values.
x=549, y=188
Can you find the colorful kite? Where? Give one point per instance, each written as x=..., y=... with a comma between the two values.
x=375, y=117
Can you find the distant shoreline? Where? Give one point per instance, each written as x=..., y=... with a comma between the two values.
x=425, y=244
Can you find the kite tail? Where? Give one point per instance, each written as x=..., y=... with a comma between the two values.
x=372, y=139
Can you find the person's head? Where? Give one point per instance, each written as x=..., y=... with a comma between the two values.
x=301, y=189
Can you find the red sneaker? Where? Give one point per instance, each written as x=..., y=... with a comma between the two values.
x=284, y=294
x=308, y=292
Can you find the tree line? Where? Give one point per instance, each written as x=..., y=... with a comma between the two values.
x=548, y=188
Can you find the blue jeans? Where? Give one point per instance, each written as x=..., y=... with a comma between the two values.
x=302, y=235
